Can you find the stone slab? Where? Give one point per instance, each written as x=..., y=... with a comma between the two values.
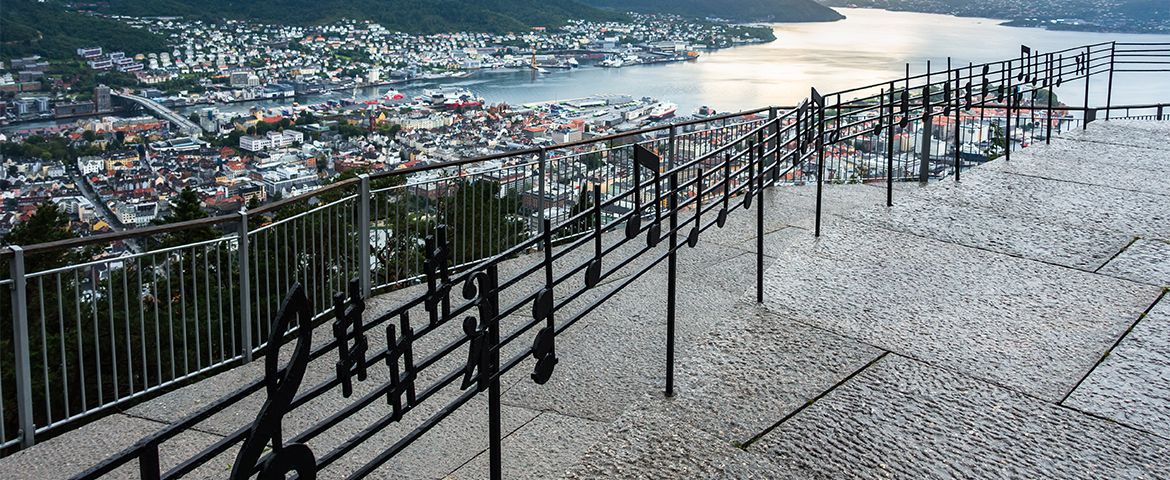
x=1076, y=206
x=544, y=448
x=904, y=419
x=649, y=442
x=1023, y=324
x=758, y=367
x=1132, y=384
x=1146, y=261
x=1117, y=166
x=1138, y=133
x=68, y=455
x=987, y=228
x=619, y=357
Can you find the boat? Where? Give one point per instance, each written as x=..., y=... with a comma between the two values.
x=704, y=112
x=662, y=111
x=393, y=95
x=452, y=97
x=612, y=62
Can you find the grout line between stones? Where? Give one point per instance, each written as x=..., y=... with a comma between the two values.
x=758, y=436
x=1112, y=347
x=1118, y=254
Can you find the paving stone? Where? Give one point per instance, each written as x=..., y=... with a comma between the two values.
x=901, y=418
x=1132, y=168
x=1138, y=133
x=619, y=357
x=544, y=448
x=440, y=451
x=1146, y=261
x=1076, y=206
x=1027, y=325
x=1132, y=385
x=68, y=455
x=985, y=228
x=648, y=441
x=756, y=368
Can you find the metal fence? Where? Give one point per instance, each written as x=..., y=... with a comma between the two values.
x=85, y=332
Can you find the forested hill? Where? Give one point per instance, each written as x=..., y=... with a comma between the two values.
x=29, y=27
x=741, y=10
x=418, y=16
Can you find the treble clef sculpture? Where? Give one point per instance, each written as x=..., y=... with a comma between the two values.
x=281, y=385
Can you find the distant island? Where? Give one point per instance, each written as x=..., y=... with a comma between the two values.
x=1122, y=16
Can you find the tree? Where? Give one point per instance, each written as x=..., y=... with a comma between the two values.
x=186, y=207
x=47, y=224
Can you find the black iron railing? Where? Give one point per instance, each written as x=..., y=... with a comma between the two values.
x=454, y=230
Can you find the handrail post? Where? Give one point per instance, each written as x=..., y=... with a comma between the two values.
x=1159, y=112
x=245, y=288
x=927, y=119
x=671, y=277
x=540, y=201
x=890, y=137
x=1109, y=91
x=1088, y=73
x=672, y=147
x=364, y=234
x=24, y=405
x=772, y=114
x=820, y=144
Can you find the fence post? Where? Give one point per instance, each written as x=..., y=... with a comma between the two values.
x=671, y=276
x=927, y=118
x=24, y=404
x=775, y=145
x=364, y=235
x=820, y=119
x=890, y=137
x=245, y=288
x=1109, y=92
x=540, y=201
x=760, y=229
x=672, y=147
x=1159, y=112
x=1085, y=110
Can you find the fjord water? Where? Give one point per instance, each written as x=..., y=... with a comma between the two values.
x=868, y=46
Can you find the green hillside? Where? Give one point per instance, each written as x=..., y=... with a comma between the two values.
x=741, y=10
x=28, y=27
x=422, y=16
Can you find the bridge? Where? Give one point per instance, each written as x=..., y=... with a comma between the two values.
x=184, y=124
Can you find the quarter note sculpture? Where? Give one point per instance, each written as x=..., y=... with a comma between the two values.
x=1025, y=59
x=747, y=195
x=634, y=224
x=1059, y=70
x=281, y=385
x=693, y=236
x=347, y=328
x=905, y=108
x=544, y=347
x=593, y=270
x=721, y=217
x=645, y=158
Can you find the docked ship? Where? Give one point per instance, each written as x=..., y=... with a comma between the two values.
x=452, y=97
x=662, y=111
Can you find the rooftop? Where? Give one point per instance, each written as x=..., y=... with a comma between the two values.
x=1011, y=324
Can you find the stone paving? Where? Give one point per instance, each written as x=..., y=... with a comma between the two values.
x=1011, y=325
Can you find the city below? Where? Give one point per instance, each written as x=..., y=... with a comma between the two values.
x=244, y=114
